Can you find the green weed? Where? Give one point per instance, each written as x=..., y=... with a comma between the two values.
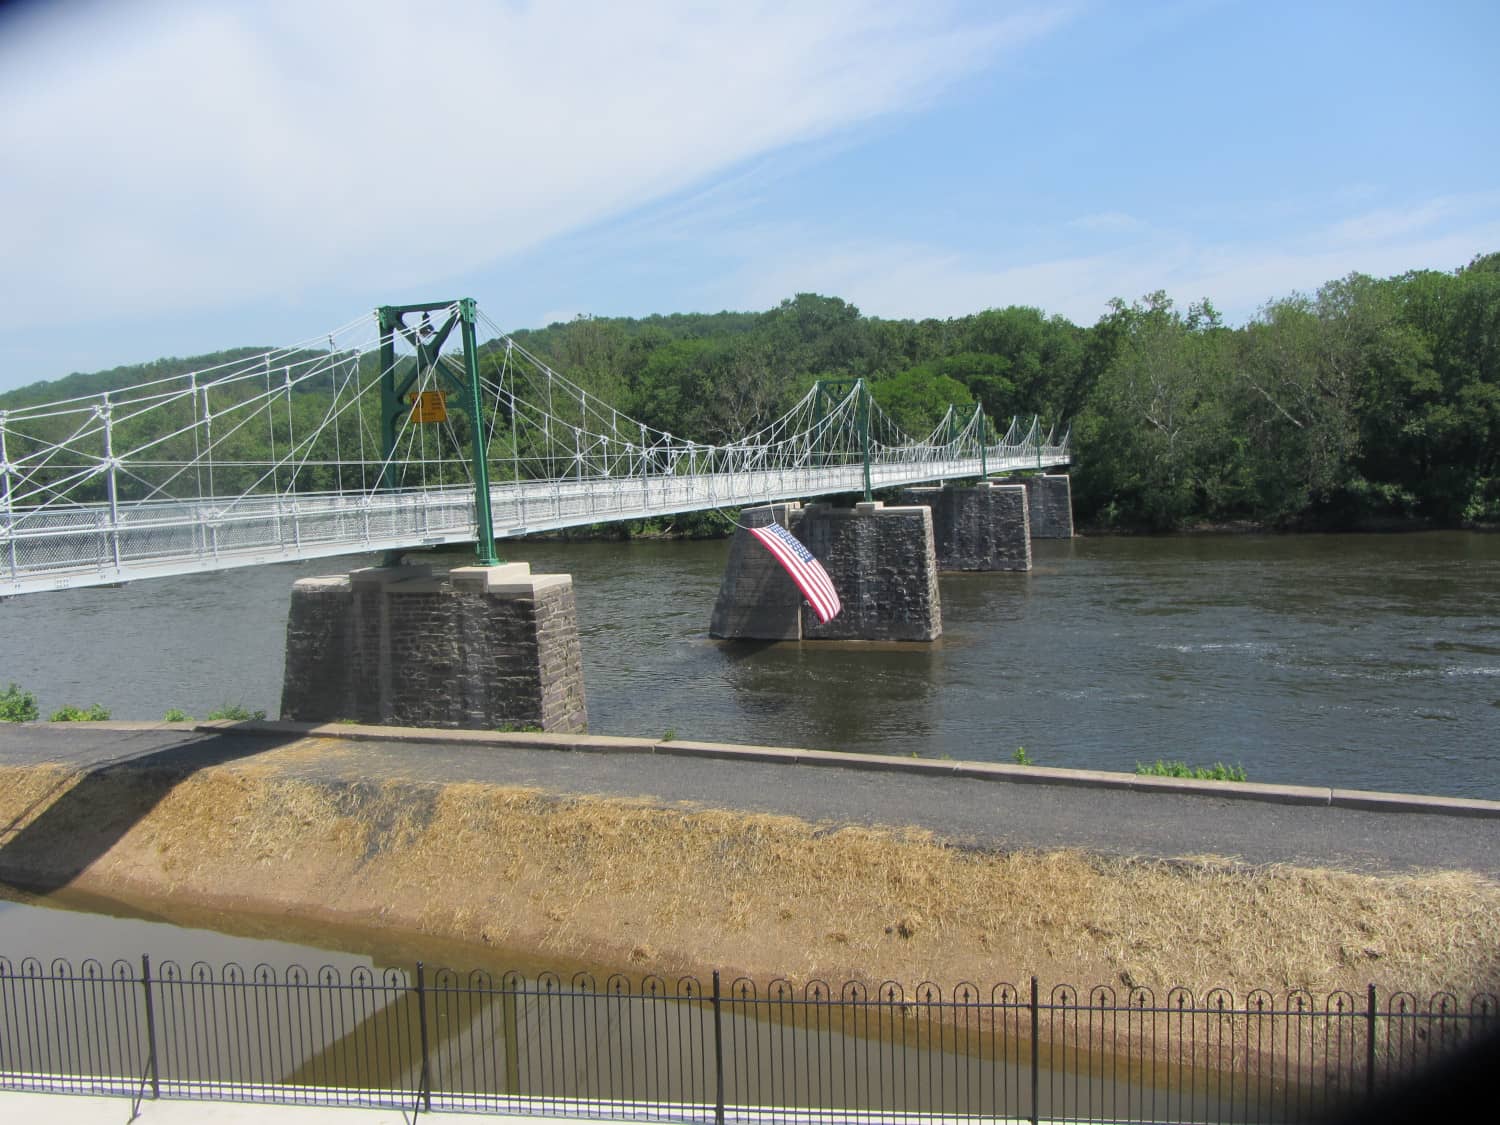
x=17, y=706
x=71, y=714
x=234, y=713
x=1216, y=772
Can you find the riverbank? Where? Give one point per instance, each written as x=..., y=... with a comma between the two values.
x=1368, y=525
x=719, y=524
x=399, y=838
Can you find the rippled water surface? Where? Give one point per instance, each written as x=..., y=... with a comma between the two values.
x=1368, y=661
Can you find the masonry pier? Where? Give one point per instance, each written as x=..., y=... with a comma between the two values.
x=881, y=560
x=1049, y=501
x=476, y=648
x=978, y=527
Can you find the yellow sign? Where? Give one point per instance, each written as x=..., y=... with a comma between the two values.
x=428, y=406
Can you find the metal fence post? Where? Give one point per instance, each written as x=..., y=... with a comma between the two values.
x=151, y=1062
x=426, y=1076
x=1370, y=1042
x=1036, y=1070
x=718, y=1055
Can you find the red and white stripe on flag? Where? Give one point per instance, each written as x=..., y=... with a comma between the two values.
x=805, y=570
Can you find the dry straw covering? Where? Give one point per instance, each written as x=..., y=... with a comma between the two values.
x=493, y=872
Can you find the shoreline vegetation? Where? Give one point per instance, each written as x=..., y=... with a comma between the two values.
x=482, y=871
x=1370, y=402
x=641, y=530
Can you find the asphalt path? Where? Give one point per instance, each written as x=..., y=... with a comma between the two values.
x=969, y=812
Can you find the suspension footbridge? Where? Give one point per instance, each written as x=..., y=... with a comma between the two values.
x=396, y=432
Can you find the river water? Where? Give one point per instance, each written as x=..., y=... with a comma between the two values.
x=1366, y=661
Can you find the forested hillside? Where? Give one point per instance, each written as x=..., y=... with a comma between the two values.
x=1370, y=399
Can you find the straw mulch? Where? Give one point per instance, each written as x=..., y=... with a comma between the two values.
x=647, y=888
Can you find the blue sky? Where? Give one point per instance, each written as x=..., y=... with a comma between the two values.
x=183, y=177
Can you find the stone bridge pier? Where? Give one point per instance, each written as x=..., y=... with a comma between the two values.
x=1049, y=501
x=978, y=527
x=880, y=558
x=476, y=647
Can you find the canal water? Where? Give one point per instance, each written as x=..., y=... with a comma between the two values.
x=228, y=1015
x=1365, y=661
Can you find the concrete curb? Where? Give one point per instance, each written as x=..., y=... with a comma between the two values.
x=1366, y=800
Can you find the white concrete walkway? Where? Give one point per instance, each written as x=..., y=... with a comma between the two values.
x=70, y=1109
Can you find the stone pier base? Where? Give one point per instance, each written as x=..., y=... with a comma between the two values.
x=477, y=648
x=1050, y=504
x=757, y=601
x=981, y=527
x=881, y=560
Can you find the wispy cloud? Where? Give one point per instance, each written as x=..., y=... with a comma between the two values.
x=1393, y=223
x=183, y=154
x=907, y=279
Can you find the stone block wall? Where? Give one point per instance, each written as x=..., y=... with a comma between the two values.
x=881, y=562
x=1051, y=498
x=757, y=601
x=559, y=654
x=1010, y=522
x=1050, y=504
x=979, y=527
x=884, y=567
x=477, y=648
x=319, y=647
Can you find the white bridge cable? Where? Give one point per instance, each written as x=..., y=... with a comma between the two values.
x=247, y=459
x=265, y=401
x=251, y=410
x=238, y=366
x=115, y=410
x=660, y=438
x=292, y=459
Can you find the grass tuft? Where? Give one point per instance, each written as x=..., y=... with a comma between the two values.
x=1216, y=772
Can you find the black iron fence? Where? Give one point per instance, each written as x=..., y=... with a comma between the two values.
x=673, y=1051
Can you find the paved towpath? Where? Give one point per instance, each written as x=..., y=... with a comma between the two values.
x=990, y=810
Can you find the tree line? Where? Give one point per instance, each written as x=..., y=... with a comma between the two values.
x=1371, y=399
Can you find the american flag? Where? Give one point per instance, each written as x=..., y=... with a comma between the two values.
x=805, y=570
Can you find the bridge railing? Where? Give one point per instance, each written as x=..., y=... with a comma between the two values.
x=64, y=546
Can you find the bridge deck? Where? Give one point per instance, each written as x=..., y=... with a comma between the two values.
x=94, y=544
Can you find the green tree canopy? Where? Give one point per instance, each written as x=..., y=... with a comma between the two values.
x=919, y=397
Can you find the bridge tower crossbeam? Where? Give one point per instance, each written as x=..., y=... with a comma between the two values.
x=427, y=342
